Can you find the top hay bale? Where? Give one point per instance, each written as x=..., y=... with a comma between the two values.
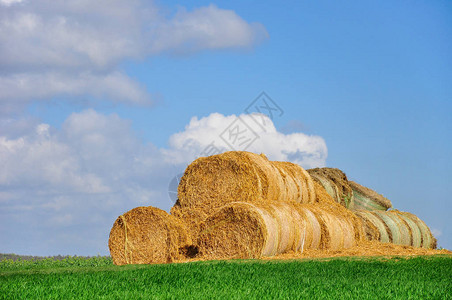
x=211, y=182
x=335, y=183
x=146, y=235
x=367, y=199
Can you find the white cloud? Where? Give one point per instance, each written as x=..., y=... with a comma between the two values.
x=61, y=189
x=18, y=89
x=9, y=2
x=73, y=48
x=206, y=28
x=308, y=151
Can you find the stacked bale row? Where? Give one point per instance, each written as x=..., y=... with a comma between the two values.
x=252, y=230
x=281, y=209
x=211, y=182
x=277, y=201
x=396, y=227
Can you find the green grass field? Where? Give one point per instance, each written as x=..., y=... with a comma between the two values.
x=341, y=278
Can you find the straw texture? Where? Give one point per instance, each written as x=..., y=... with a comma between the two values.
x=146, y=235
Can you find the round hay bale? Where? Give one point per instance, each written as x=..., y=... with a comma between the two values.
x=336, y=184
x=374, y=227
x=416, y=236
x=147, y=235
x=246, y=230
x=428, y=240
x=211, y=182
x=367, y=199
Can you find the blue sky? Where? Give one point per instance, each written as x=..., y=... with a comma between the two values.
x=364, y=86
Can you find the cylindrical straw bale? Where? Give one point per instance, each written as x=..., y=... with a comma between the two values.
x=146, y=235
x=246, y=230
x=211, y=182
x=219, y=179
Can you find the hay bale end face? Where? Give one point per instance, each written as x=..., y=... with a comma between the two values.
x=147, y=235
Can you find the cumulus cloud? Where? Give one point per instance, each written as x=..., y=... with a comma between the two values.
x=206, y=28
x=73, y=48
x=251, y=132
x=9, y=2
x=61, y=189
x=19, y=89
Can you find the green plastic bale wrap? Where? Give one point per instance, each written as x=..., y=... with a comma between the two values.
x=335, y=183
x=428, y=240
x=397, y=226
x=416, y=235
x=374, y=227
x=367, y=199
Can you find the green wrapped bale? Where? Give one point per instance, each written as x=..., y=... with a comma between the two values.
x=367, y=199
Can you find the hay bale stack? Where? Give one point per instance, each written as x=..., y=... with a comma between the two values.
x=335, y=183
x=396, y=227
x=211, y=182
x=251, y=230
x=367, y=199
x=146, y=235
